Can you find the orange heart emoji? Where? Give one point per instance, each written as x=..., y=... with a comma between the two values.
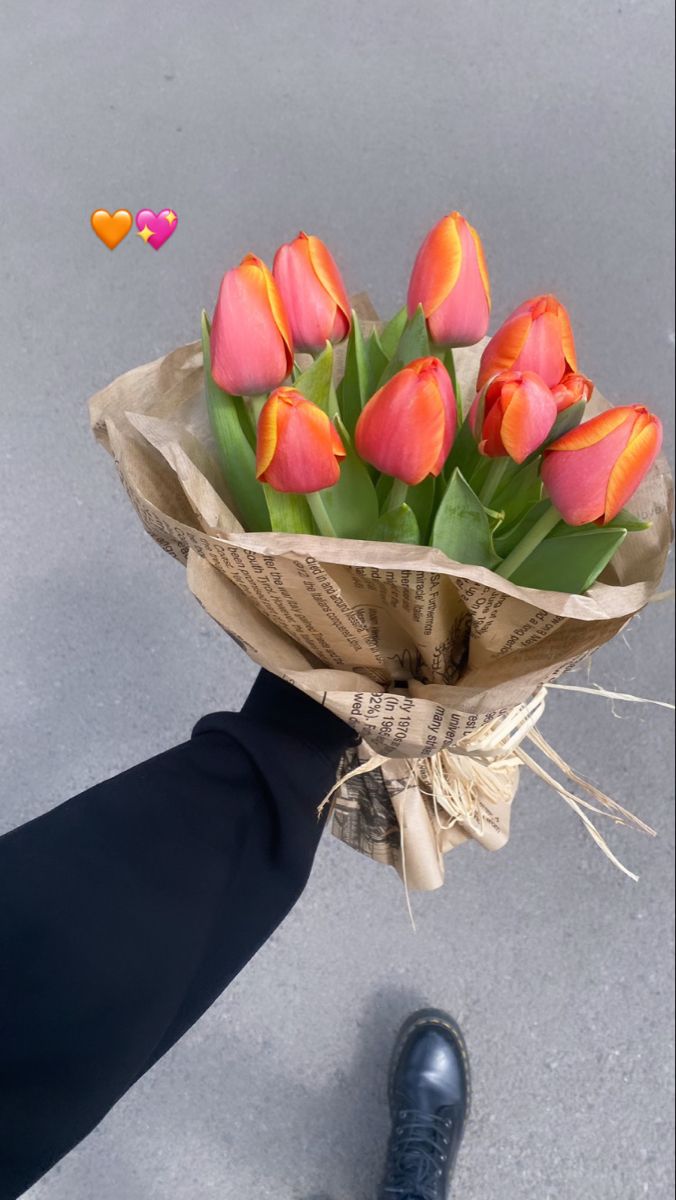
x=111, y=228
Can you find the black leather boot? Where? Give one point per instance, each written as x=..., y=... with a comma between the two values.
x=429, y=1100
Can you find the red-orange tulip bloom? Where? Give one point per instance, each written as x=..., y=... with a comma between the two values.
x=407, y=428
x=313, y=293
x=519, y=412
x=450, y=280
x=592, y=471
x=536, y=337
x=571, y=390
x=251, y=346
x=298, y=447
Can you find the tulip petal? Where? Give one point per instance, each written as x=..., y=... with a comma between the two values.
x=448, y=399
x=329, y=276
x=529, y=416
x=576, y=473
x=401, y=429
x=436, y=268
x=491, y=442
x=462, y=317
x=303, y=458
x=572, y=390
x=483, y=267
x=504, y=348
x=308, y=463
x=311, y=311
x=567, y=339
x=249, y=353
x=542, y=351
x=631, y=468
x=266, y=436
x=278, y=313
x=593, y=431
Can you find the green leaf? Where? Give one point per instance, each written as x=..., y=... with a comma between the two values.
x=413, y=343
x=316, y=383
x=569, y=560
x=623, y=520
x=246, y=420
x=390, y=335
x=509, y=537
x=377, y=361
x=289, y=513
x=520, y=491
x=334, y=410
x=353, y=387
x=627, y=520
x=448, y=359
x=352, y=505
x=420, y=497
x=569, y=419
x=461, y=527
x=464, y=452
x=398, y=525
x=236, y=455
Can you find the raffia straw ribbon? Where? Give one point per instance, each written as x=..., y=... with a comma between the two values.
x=479, y=771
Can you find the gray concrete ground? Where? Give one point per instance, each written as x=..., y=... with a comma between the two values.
x=548, y=125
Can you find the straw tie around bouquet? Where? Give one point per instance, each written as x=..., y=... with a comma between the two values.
x=441, y=665
x=466, y=792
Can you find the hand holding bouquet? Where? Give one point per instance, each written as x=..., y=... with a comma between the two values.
x=420, y=532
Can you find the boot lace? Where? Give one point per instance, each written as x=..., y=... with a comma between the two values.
x=418, y=1151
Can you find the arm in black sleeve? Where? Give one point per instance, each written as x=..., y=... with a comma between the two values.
x=125, y=911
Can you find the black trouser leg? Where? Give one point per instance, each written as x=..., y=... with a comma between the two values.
x=125, y=911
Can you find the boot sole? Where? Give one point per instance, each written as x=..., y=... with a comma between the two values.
x=431, y=1016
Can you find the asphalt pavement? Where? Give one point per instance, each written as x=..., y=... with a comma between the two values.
x=550, y=127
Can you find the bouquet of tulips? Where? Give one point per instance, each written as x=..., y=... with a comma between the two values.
x=418, y=527
x=519, y=482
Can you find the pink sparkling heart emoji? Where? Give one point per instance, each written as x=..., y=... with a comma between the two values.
x=156, y=228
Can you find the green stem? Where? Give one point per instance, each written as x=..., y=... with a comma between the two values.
x=397, y=495
x=254, y=407
x=548, y=521
x=449, y=361
x=318, y=510
x=494, y=478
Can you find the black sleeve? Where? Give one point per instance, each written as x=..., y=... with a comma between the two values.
x=125, y=911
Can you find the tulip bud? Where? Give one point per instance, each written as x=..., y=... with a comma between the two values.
x=450, y=281
x=536, y=337
x=592, y=471
x=251, y=346
x=313, y=293
x=519, y=411
x=298, y=447
x=572, y=390
x=407, y=428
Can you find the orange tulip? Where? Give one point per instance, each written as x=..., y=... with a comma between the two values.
x=313, y=293
x=407, y=428
x=519, y=411
x=571, y=390
x=536, y=337
x=450, y=281
x=591, y=472
x=298, y=447
x=251, y=346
